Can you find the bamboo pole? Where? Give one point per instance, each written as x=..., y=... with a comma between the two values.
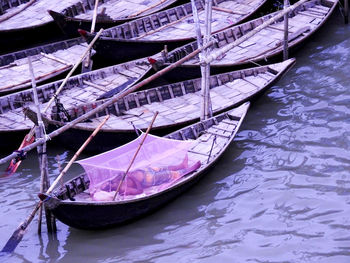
x=87, y=64
x=20, y=231
x=135, y=155
x=207, y=105
x=31, y=132
x=146, y=9
x=44, y=181
x=94, y=17
x=107, y=103
x=216, y=8
x=201, y=55
x=8, y=16
x=205, y=67
x=285, y=42
x=220, y=52
x=63, y=172
x=197, y=25
x=73, y=69
x=28, y=138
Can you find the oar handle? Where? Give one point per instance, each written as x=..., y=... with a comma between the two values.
x=134, y=157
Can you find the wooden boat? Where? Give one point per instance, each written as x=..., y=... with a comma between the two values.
x=304, y=21
x=81, y=88
x=48, y=61
x=172, y=27
x=178, y=105
x=22, y=22
x=110, y=13
x=72, y=205
x=8, y=4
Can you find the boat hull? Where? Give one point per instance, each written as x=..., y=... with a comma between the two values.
x=17, y=39
x=119, y=51
x=106, y=140
x=100, y=216
x=70, y=25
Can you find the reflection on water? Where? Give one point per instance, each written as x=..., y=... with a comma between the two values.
x=280, y=194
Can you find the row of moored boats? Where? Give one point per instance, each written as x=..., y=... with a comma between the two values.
x=142, y=37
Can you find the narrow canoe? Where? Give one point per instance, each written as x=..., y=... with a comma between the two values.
x=178, y=105
x=72, y=205
x=173, y=27
x=304, y=21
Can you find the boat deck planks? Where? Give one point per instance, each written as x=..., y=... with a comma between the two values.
x=18, y=77
x=302, y=22
x=33, y=15
x=117, y=9
x=177, y=23
x=186, y=107
x=75, y=92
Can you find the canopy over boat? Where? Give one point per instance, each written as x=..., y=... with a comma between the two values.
x=159, y=163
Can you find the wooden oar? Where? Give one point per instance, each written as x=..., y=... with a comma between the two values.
x=20, y=231
x=146, y=9
x=29, y=137
x=108, y=102
x=134, y=157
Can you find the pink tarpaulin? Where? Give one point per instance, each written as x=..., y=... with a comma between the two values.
x=159, y=163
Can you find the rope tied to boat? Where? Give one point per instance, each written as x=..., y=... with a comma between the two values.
x=21, y=155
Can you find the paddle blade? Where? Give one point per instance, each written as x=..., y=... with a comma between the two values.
x=14, y=240
x=14, y=164
x=17, y=236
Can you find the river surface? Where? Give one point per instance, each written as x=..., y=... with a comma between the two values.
x=281, y=193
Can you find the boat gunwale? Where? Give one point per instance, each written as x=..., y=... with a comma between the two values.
x=130, y=25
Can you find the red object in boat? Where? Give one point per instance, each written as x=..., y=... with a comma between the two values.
x=14, y=164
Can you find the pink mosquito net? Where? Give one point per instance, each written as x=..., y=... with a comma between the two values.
x=159, y=163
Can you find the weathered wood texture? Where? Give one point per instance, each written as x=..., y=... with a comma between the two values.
x=34, y=15
x=179, y=103
x=173, y=27
x=8, y=4
x=303, y=22
x=117, y=9
x=177, y=23
x=48, y=61
x=79, y=89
